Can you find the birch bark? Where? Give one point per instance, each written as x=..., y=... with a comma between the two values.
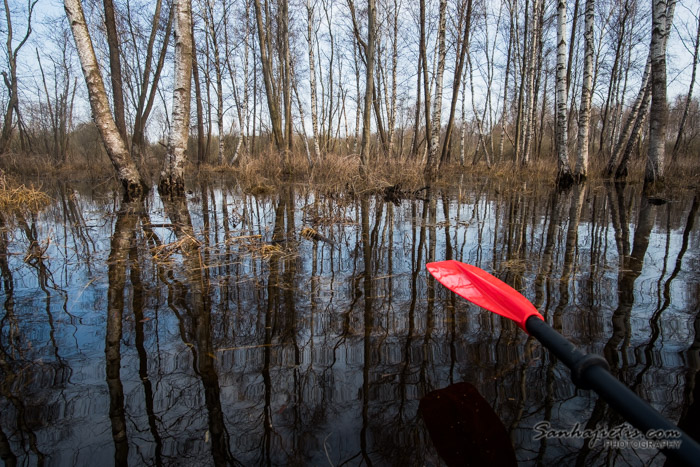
x=564, y=176
x=172, y=177
x=662, y=18
x=581, y=169
x=116, y=147
x=431, y=163
x=312, y=78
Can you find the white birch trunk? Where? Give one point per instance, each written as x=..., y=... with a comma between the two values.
x=219, y=86
x=116, y=147
x=528, y=111
x=312, y=78
x=564, y=176
x=219, y=107
x=662, y=18
x=172, y=177
x=581, y=169
x=627, y=131
x=431, y=163
x=463, y=138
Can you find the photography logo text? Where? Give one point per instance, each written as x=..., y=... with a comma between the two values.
x=623, y=436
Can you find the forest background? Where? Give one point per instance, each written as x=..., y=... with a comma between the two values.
x=564, y=90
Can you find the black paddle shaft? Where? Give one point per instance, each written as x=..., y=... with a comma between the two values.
x=591, y=372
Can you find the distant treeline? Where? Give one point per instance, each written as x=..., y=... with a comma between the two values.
x=582, y=84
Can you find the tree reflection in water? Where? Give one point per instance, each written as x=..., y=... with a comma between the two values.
x=209, y=330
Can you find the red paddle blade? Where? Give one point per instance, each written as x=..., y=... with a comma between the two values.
x=484, y=290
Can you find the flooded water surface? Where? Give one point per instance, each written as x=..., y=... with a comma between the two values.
x=301, y=327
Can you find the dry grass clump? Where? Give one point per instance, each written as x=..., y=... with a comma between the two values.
x=163, y=253
x=258, y=248
x=337, y=173
x=684, y=172
x=17, y=196
x=266, y=251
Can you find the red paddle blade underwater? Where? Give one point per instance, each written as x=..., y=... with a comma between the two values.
x=484, y=290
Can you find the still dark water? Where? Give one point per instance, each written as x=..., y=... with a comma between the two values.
x=219, y=330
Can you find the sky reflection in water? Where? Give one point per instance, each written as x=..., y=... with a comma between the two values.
x=218, y=330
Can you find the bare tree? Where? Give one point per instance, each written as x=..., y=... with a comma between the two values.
x=622, y=34
x=115, y=68
x=662, y=18
x=584, y=119
x=564, y=176
x=431, y=163
x=462, y=45
x=241, y=103
x=369, y=82
x=689, y=96
x=148, y=78
x=312, y=75
x=214, y=24
x=172, y=180
x=115, y=145
x=630, y=131
x=504, y=111
x=426, y=81
x=11, y=80
x=59, y=103
x=199, y=109
x=270, y=91
x=528, y=116
x=368, y=48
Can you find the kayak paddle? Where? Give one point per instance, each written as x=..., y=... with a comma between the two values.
x=587, y=371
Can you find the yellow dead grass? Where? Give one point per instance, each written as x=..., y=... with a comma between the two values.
x=18, y=196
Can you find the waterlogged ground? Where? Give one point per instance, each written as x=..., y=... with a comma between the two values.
x=220, y=329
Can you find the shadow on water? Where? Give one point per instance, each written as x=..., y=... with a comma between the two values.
x=302, y=328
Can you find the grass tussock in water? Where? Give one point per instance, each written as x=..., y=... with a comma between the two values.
x=18, y=196
x=333, y=173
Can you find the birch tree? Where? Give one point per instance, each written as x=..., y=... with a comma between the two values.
x=172, y=177
x=631, y=129
x=241, y=105
x=662, y=18
x=424, y=62
x=310, y=33
x=115, y=145
x=581, y=169
x=504, y=111
x=431, y=163
x=564, y=176
x=461, y=49
x=530, y=91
